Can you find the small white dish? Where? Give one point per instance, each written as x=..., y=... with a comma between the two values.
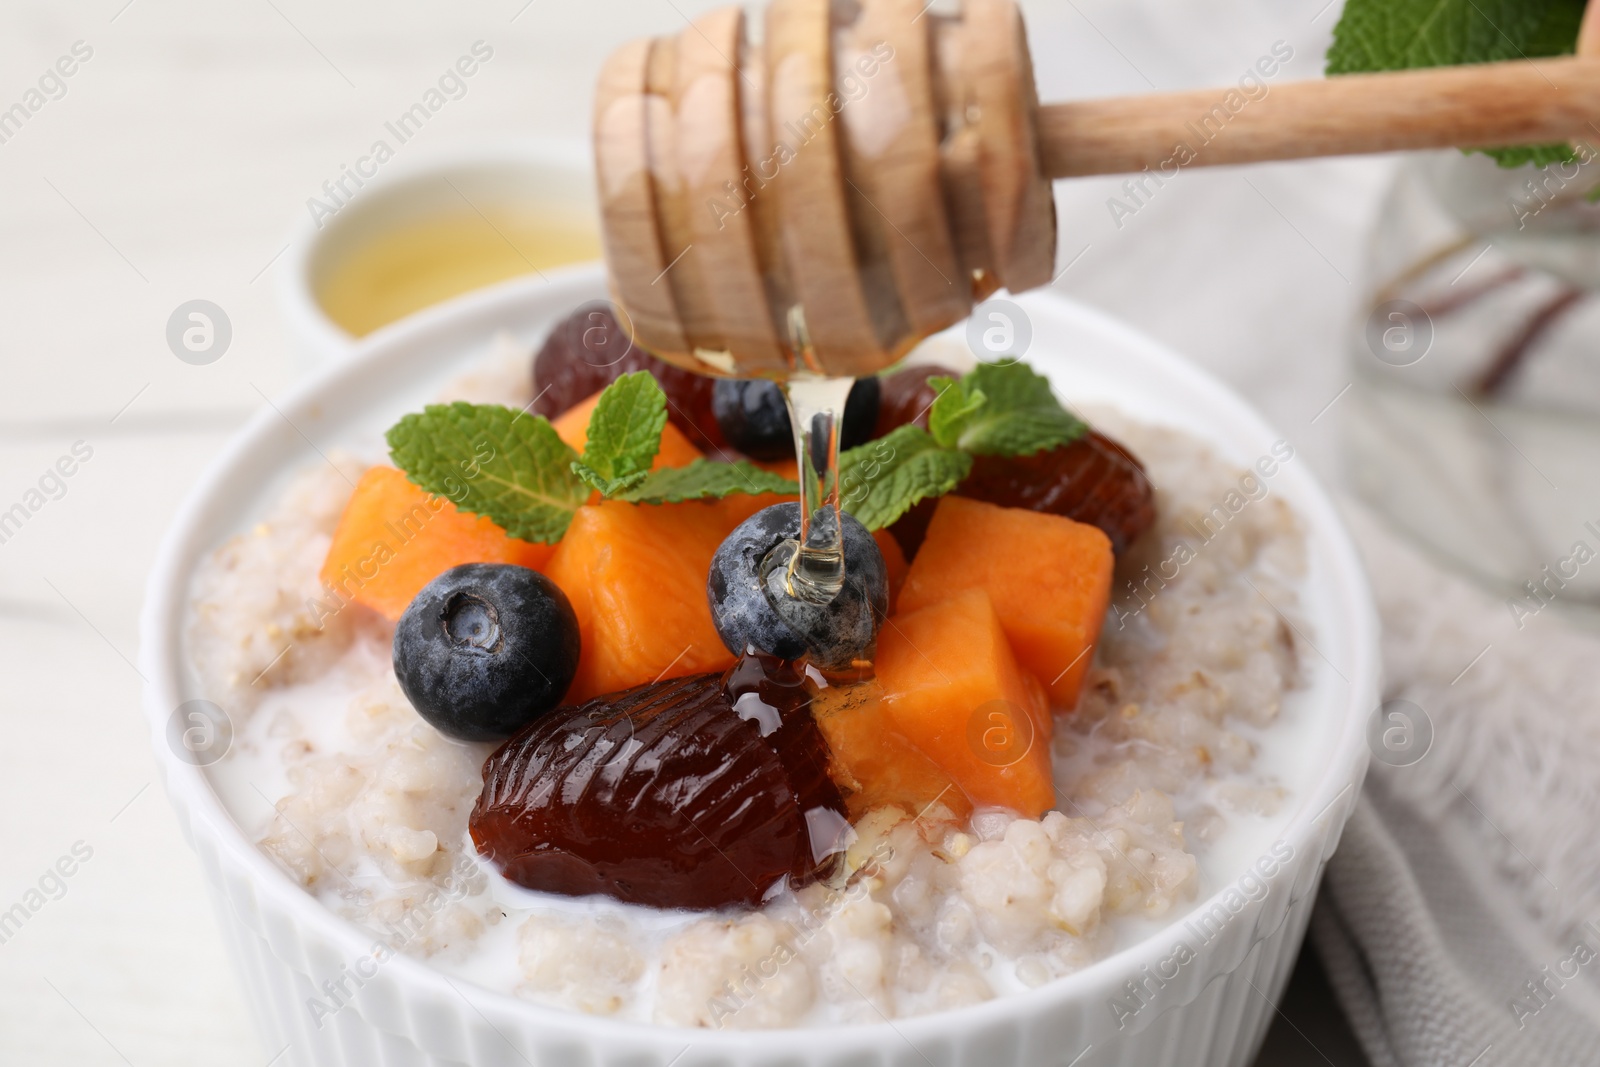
x=554, y=176
x=1210, y=1011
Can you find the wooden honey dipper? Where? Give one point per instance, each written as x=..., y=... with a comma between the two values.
x=821, y=201
x=808, y=208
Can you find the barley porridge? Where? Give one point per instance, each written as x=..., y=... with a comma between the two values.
x=1165, y=776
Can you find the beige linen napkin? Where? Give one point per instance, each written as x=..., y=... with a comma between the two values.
x=1459, y=922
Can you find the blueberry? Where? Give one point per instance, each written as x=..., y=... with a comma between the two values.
x=860, y=412
x=753, y=610
x=755, y=420
x=485, y=649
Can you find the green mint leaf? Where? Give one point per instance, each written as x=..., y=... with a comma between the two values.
x=1540, y=155
x=953, y=405
x=1401, y=34
x=880, y=480
x=625, y=427
x=492, y=460
x=701, y=480
x=1002, y=409
x=608, y=487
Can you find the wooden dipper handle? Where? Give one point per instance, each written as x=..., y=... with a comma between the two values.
x=817, y=202
x=1520, y=102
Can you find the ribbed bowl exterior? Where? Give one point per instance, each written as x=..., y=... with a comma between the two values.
x=1212, y=1014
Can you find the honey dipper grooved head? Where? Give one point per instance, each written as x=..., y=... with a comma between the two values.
x=822, y=200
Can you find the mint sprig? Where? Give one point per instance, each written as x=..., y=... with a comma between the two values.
x=492, y=460
x=881, y=480
x=624, y=434
x=998, y=409
x=1374, y=35
x=1001, y=409
x=703, y=478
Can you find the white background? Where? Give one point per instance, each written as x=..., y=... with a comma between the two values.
x=174, y=167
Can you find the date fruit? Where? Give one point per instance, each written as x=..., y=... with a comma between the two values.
x=698, y=792
x=905, y=397
x=1094, y=480
x=589, y=349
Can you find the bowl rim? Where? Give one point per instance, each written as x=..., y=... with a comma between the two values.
x=161, y=645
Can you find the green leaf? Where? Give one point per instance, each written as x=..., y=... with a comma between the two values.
x=492, y=460
x=1540, y=155
x=1402, y=34
x=880, y=480
x=700, y=480
x=953, y=405
x=625, y=427
x=608, y=487
x=1001, y=409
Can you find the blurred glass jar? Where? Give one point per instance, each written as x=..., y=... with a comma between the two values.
x=1475, y=394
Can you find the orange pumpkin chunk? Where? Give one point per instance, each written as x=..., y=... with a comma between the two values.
x=894, y=561
x=954, y=688
x=395, y=538
x=636, y=576
x=874, y=763
x=1047, y=576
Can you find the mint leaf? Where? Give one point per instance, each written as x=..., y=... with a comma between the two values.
x=946, y=417
x=607, y=487
x=1001, y=409
x=703, y=479
x=514, y=468
x=491, y=460
x=1401, y=34
x=625, y=428
x=880, y=480
x=1540, y=155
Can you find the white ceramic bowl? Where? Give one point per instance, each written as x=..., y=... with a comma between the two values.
x=1211, y=1010
x=558, y=175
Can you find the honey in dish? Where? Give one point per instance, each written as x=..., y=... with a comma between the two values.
x=422, y=262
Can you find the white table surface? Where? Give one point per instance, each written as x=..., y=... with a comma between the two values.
x=173, y=168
